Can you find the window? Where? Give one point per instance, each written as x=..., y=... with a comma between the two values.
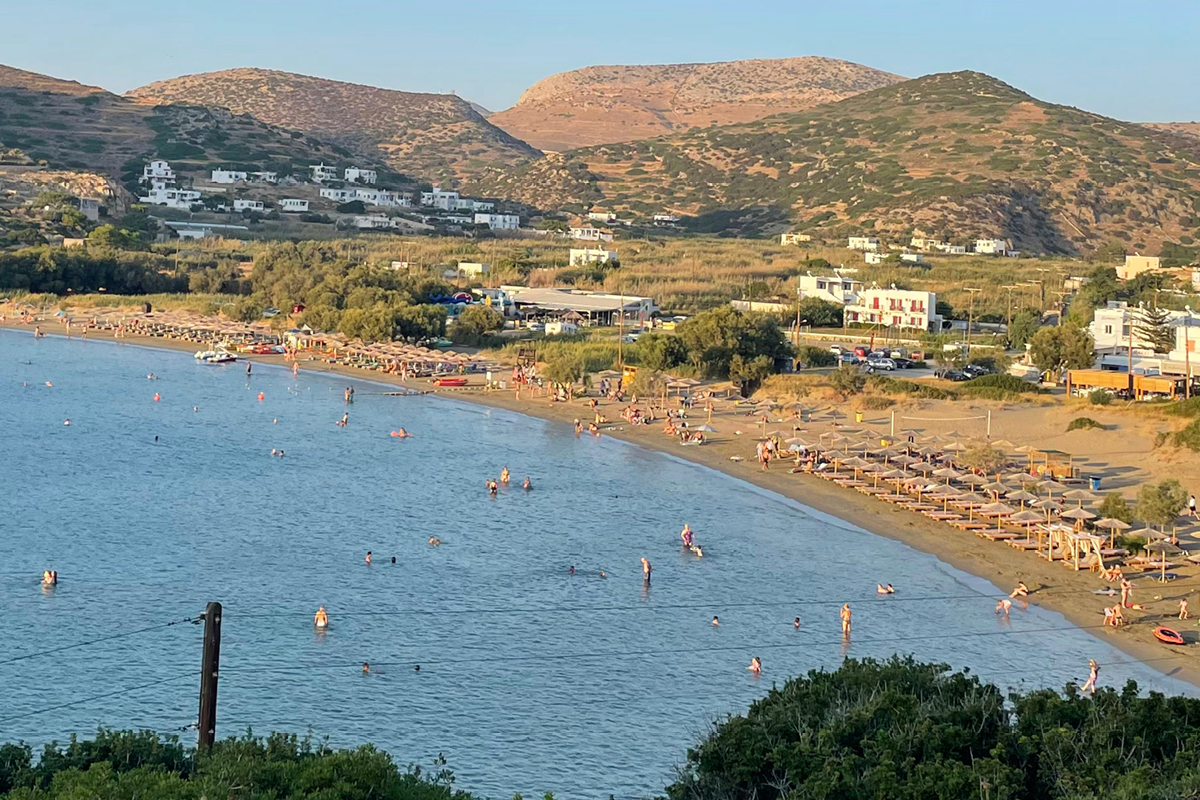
x=1108, y=328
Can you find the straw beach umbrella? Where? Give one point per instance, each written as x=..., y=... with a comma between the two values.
x=1021, y=496
x=1082, y=495
x=1164, y=547
x=997, y=510
x=1112, y=526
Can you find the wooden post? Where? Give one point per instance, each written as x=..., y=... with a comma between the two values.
x=209, y=669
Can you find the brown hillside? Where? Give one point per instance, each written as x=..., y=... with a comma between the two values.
x=959, y=154
x=599, y=105
x=435, y=136
x=13, y=78
x=1185, y=128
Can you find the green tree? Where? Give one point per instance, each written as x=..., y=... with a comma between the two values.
x=1025, y=325
x=353, y=207
x=712, y=338
x=476, y=321
x=1065, y=347
x=1115, y=506
x=820, y=313
x=660, y=352
x=1160, y=503
x=749, y=373
x=1110, y=252
x=247, y=309
x=369, y=324
x=1152, y=327
x=847, y=379
x=567, y=367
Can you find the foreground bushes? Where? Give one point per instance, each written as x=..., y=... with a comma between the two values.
x=901, y=729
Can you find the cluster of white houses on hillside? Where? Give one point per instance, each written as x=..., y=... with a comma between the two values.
x=870, y=245
x=161, y=189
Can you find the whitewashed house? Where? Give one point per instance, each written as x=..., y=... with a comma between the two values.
x=591, y=255
x=603, y=217
x=589, y=234
x=991, y=247
x=338, y=195
x=293, y=205
x=248, y=205
x=374, y=222
x=869, y=244
x=356, y=175
x=322, y=173
x=499, y=222
x=265, y=177
x=912, y=258
x=158, y=171
x=666, y=219
x=951, y=249
x=786, y=239
x=895, y=308
x=872, y=257
x=446, y=201
x=228, y=176
x=171, y=198
x=830, y=288
x=473, y=269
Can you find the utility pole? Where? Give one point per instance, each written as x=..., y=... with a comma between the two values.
x=797, y=319
x=209, y=667
x=1010, y=288
x=621, y=331
x=970, y=316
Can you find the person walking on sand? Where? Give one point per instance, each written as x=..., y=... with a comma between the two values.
x=845, y=614
x=1183, y=608
x=1093, y=676
x=1192, y=507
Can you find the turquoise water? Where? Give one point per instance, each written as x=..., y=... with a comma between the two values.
x=531, y=679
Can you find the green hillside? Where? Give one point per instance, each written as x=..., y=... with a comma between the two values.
x=960, y=154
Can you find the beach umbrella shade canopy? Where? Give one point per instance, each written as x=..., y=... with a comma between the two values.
x=1026, y=517
x=1081, y=495
x=1078, y=513
x=706, y=429
x=997, y=510
x=1021, y=497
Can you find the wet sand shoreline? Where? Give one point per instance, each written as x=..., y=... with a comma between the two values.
x=1056, y=588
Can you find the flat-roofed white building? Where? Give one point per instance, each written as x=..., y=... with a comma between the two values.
x=228, y=176
x=357, y=175
x=591, y=255
x=499, y=222
x=439, y=199
x=895, y=308
x=248, y=205
x=596, y=307
x=374, y=222
x=794, y=238
x=991, y=247
x=473, y=269
x=338, y=195
x=322, y=173
x=589, y=234
x=158, y=170
x=293, y=205
x=830, y=288
x=171, y=198
x=868, y=244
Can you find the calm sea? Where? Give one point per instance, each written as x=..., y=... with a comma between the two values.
x=530, y=679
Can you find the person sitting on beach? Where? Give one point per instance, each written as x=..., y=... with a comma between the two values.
x=1183, y=608
x=1004, y=606
x=527, y=484
x=755, y=665
x=1021, y=591
x=321, y=619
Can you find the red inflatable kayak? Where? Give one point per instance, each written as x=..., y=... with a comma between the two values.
x=450, y=382
x=1167, y=636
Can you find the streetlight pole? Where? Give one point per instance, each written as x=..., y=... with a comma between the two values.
x=970, y=316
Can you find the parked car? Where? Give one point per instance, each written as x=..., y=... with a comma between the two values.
x=881, y=363
x=954, y=375
x=904, y=363
x=862, y=351
x=848, y=358
x=976, y=370
x=836, y=349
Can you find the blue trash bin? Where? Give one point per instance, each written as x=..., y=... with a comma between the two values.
x=1094, y=480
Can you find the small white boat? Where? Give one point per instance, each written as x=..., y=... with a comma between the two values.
x=215, y=357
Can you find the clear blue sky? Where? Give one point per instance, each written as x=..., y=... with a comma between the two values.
x=1123, y=58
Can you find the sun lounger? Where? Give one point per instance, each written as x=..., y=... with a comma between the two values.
x=894, y=498
x=1023, y=544
x=918, y=506
x=993, y=536
x=969, y=525
x=942, y=516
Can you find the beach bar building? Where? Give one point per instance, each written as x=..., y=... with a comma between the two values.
x=595, y=308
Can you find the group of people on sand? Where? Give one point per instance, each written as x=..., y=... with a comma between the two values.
x=493, y=486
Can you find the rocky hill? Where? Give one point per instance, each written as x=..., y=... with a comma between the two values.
x=434, y=136
x=1185, y=128
x=77, y=127
x=599, y=105
x=961, y=154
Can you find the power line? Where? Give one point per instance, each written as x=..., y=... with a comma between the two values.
x=678, y=651
x=97, y=697
x=91, y=642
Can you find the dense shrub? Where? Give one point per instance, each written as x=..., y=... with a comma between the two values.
x=1009, y=383
x=816, y=357
x=1084, y=423
x=1100, y=397
x=1189, y=437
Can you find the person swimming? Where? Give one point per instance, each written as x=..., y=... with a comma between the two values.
x=492, y=487
x=687, y=535
x=716, y=622
x=368, y=557
x=157, y=397
x=571, y=571
x=321, y=618
x=366, y=668
x=504, y=476
x=66, y=422
x=527, y=484
x=755, y=665
x=393, y=559
x=400, y=433
x=881, y=589
x=603, y=574
x=261, y=397
x=796, y=624
x=697, y=551
x=344, y=421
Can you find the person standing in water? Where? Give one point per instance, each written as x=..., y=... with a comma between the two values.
x=1093, y=676
x=368, y=558
x=755, y=665
x=248, y=365
x=845, y=614
x=646, y=570
x=504, y=476
x=321, y=618
x=527, y=485
x=796, y=624
x=716, y=623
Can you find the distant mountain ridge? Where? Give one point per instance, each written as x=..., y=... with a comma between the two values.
x=434, y=136
x=959, y=154
x=606, y=104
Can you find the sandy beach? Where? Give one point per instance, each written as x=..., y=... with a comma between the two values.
x=1124, y=454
